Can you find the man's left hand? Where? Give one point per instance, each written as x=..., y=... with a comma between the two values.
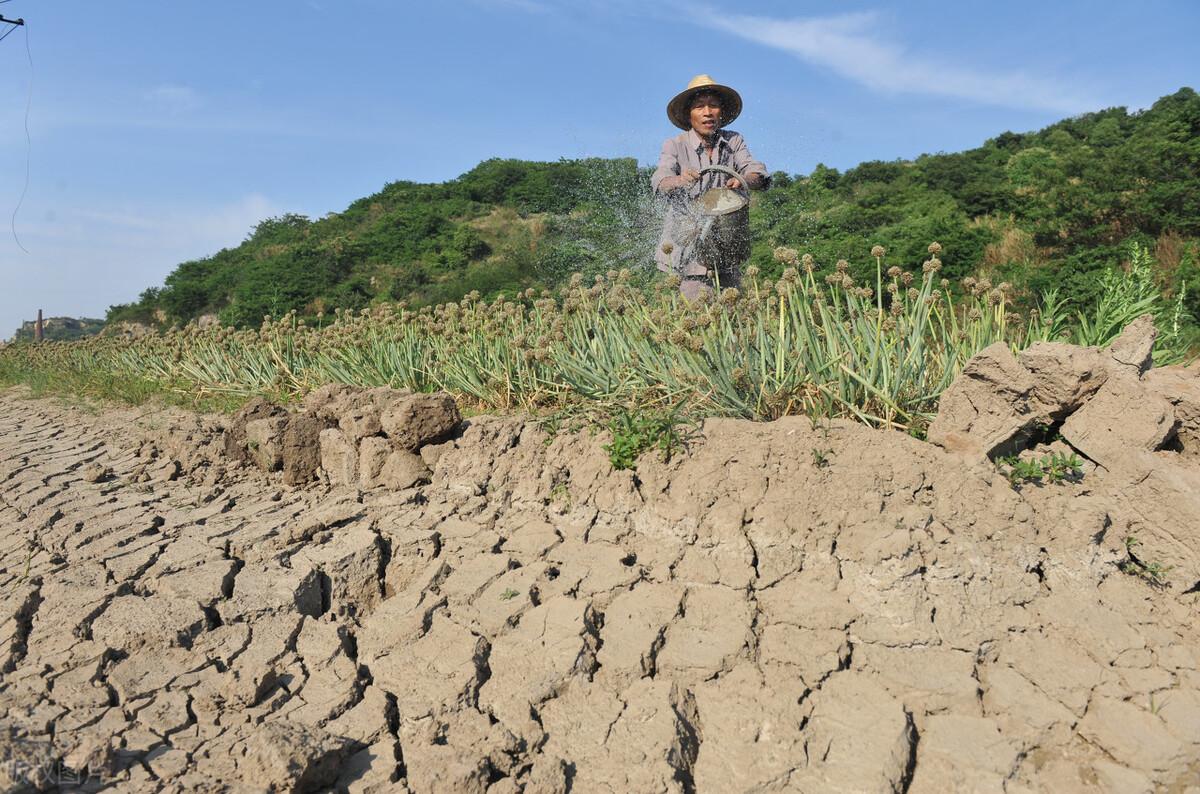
x=734, y=184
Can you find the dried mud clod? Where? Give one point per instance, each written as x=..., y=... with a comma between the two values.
x=496, y=610
x=350, y=437
x=1059, y=413
x=237, y=446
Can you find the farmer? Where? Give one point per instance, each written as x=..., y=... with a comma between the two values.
x=701, y=259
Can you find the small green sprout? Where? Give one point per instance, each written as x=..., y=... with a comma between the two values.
x=1153, y=573
x=561, y=495
x=1054, y=468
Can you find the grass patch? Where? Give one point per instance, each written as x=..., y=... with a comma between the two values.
x=85, y=386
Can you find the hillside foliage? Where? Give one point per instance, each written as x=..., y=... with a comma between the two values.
x=1057, y=208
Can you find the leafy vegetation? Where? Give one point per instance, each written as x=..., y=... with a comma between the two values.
x=814, y=342
x=636, y=431
x=1053, y=468
x=1125, y=296
x=1051, y=212
x=526, y=286
x=1053, y=209
x=485, y=231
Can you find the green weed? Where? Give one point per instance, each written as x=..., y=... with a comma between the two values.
x=1054, y=468
x=1153, y=573
x=561, y=495
x=1125, y=295
x=635, y=432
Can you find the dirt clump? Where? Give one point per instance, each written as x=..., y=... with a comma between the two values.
x=264, y=442
x=1001, y=402
x=420, y=419
x=1180, y=386
x=300, y=455
x=95, y=472
x=351, y=437
x=1133, y=426
x=501, y=610
x=237, y=446
x=989, y=406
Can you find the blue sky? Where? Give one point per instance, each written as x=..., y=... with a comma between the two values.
x=164, y=131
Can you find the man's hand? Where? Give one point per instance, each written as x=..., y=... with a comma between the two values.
x=733, y=184
x=755, y=181
x=689, y=176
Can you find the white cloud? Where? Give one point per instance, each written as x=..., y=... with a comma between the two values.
x=850, y=45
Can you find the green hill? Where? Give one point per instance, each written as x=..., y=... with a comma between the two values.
x=1053, y=208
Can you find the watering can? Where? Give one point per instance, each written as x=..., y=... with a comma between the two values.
x=721, y=217
x=719, y=201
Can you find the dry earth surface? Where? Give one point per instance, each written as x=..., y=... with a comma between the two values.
x=782, y=608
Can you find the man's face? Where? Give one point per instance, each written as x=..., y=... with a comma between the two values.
x=705, y=113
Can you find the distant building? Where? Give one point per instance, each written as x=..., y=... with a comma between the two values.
x=59, y=329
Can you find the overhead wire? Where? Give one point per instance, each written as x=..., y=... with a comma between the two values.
x=28, y=140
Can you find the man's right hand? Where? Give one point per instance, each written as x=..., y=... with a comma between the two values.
x=689, y=176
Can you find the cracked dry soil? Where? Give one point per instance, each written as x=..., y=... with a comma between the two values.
x=740, y=619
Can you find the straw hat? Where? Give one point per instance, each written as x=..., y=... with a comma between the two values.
x=679, y=107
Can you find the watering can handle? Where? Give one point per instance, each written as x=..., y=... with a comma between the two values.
x=725, y=170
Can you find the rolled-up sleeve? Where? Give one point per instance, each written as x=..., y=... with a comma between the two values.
x=668, y=167
x=744, y=162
